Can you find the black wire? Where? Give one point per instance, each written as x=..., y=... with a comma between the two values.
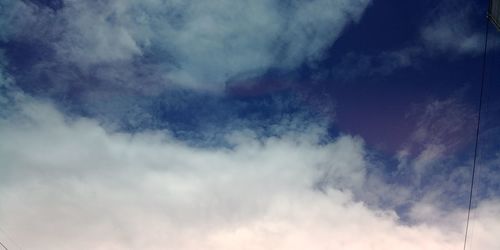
x=4, y=247
x=477, y=131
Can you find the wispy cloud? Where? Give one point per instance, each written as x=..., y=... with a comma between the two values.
x=354, y=65
x=450, y=29
x=193, y=44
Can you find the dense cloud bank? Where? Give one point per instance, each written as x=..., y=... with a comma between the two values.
x=67, y=183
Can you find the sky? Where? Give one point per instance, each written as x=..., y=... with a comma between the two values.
x=256, y=125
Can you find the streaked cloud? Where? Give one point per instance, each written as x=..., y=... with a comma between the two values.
x=192, y=44
x=450, y=29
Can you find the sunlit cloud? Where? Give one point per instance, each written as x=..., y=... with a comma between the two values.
x=69, y=183
x=153, y=125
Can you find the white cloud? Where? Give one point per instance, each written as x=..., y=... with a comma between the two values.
x=442, y=127
x=354, y=65
x=431, y=159
x=451, y=29
x=67, y=183
x=194, y=44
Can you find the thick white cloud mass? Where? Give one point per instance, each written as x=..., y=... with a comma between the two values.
x=195, y=44
x=67, y=183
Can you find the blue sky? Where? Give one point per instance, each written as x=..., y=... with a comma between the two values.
x=323, y=124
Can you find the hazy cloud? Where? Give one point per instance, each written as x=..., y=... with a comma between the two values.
x=450, y=29
x=354, y=65
x=193, y=44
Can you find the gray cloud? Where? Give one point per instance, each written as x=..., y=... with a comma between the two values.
x=193, y=44
x=451, y=29
x=354, y=65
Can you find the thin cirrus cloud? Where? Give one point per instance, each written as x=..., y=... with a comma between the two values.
x=448, y=30
x=98, y=189
x=192, y=44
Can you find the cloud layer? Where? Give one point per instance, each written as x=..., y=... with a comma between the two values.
x=67, y=183
x=72, y=182
x=193, y=44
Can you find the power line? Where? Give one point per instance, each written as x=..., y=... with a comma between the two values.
x=488, y=78
x=483, y=73
x=7, y=237
x=4, y=247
